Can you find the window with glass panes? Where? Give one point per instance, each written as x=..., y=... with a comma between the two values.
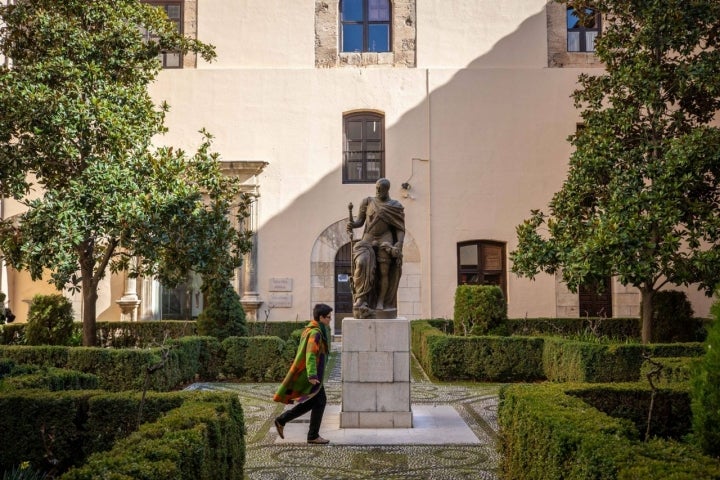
x=365, y=25
x=363, y=147
x=481, y=262
x=173, y=10
x=582, y=30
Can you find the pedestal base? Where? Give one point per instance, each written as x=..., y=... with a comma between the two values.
x=376, y=373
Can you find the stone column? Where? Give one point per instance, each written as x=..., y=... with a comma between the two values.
x=130, y=301
x=376, y=373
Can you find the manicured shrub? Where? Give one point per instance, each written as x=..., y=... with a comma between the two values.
x=223, y=315
x=672, y=318
x=479, y=310
x=6, y=315
x=255, y=359
x=53, y=379
x=50, y=320
x=546, y=432
x=705, y=391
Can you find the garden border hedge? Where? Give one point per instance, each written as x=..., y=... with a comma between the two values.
x=547, y=433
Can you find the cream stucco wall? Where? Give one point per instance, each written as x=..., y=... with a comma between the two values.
x=478, y=128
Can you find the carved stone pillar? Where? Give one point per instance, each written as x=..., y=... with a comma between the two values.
x=130, y=301
x=247, y=172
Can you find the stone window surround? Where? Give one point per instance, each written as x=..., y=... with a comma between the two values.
x=558, y=56
x=327, y=38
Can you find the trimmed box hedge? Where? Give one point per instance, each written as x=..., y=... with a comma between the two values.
x=673, y=371
x=203, y=439
x=575, y=361
x=486, y=358
x=187, y=359
x=547, y=433
x=60, y=429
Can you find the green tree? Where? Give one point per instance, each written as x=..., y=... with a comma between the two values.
x=640, y=200
x=75, y=147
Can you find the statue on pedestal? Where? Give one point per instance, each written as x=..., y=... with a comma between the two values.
x=377, y=255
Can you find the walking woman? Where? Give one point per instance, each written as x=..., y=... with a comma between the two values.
x=304, y=381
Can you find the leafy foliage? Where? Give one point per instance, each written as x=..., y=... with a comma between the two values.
x=75, y=148
x=705, y=391
x=223, y=315
x=479, y=309
x=6, y=315
x=640, y=199
x=50, y=320
x=672, y=318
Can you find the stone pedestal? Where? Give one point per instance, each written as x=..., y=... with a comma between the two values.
x=376, y=373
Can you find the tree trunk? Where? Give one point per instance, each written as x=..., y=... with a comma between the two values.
x=89, y=293
x=646, y=311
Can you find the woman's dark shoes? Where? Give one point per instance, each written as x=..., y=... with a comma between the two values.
x=319, y=441
x=279, y=427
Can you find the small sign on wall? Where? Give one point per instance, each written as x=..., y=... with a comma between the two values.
x=281, y=300
x=281, y=284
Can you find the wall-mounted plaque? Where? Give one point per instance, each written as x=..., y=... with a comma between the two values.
x=280, y=284
x=281, y=300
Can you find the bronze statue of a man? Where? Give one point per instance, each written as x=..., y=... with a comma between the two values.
x=377, y=256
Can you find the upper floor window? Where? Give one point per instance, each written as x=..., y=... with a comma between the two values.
x=363, y=147
x=582, y=28
x=482, y=262
x=365, y=25
x=174, y=11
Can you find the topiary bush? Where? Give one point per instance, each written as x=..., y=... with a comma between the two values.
x=223, y=316
x=705, y=391
x=672, y=318
x=50, y=320
x=6, y=316
x=479, y=310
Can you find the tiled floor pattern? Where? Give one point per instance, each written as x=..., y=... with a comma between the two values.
x=454, y=437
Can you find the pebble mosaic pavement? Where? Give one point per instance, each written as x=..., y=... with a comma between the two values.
x=267, y=460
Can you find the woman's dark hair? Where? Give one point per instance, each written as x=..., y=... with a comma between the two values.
x=321, y=310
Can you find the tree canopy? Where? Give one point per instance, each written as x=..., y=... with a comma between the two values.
x=76, y=147
x=641, y=197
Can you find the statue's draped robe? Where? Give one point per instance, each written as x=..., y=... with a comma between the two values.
x=365, y=271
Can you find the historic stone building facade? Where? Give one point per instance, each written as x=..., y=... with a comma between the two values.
x=465, y=106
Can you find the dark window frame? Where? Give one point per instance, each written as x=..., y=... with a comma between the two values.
x=480, y=274
x=178, y=21
x=366, y=24
x=582, y=30
x=363, y=176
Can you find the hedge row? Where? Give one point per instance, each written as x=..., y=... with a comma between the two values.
x=186, y=360
x=517, y=358
x=489, y=359
x=547, y=433
x=61, y=428
x=201, y=440
x=148, y=333
x=574, y=361
x=674, y=370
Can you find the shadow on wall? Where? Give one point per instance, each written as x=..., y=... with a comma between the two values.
x=490, y=164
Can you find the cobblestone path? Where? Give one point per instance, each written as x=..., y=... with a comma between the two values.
x=265, y=460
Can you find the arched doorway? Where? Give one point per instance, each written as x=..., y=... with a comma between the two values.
x=343, y=292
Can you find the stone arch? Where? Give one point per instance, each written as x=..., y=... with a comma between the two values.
x=322, y=270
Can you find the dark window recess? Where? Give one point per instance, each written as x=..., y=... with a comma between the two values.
x=365, y=25
x=596, y=299
x=582, y=29
x=482, y=262
x=174, y=12
x=363, y=148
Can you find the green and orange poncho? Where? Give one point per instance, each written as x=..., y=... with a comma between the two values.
x=309, y=364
